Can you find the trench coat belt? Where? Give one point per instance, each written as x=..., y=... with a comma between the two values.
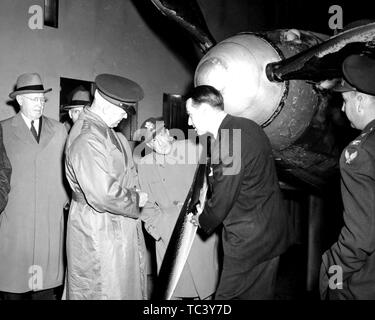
x=78, y=197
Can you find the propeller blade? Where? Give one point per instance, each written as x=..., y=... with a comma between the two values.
x=323, y=61
x=182, y=238
x=188, y=14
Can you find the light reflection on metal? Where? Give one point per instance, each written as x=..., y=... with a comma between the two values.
x=236, y=67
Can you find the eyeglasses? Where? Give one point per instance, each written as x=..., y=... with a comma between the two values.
x=42, y=100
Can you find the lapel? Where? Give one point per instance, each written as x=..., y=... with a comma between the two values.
x=24, y=134
x=21, y=130
x=47, y=132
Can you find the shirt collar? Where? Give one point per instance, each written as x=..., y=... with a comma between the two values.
x=369, y=125
x=28, y=122
x=220, y=118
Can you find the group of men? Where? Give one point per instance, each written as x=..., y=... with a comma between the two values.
x=111, y=196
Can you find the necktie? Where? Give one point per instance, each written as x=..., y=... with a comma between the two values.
x=33, y=131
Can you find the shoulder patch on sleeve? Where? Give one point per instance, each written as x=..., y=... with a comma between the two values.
x=350, y=155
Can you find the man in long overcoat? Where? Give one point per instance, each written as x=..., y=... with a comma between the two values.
x=32, y=223
x=105, y=244
x=5, y=173
x=166, y=175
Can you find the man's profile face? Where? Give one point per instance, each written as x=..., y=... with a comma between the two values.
x=114, y=115
x=74, y=113
x=32, y=105
x=350, y=108
x=162, y=143
x=197, y=118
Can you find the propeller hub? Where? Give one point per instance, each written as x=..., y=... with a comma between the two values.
x=237, y=68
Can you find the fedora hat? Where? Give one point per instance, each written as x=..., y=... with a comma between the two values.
x=119, y=91
x=358, y=74
x=80, y=98
x=28, y=83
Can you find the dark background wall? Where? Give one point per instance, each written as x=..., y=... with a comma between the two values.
x=130, y=38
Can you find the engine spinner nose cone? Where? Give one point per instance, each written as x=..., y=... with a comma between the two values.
x=214, y=71
x=236, y=67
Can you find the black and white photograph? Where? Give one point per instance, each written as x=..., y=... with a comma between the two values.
x=182, y=152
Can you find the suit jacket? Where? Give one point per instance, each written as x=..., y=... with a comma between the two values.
x=354, y=252
x=32, y=224
x=246, y=197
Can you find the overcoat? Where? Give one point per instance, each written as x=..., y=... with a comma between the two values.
x=5, y=173
x=167, y=179
x=105, y=244
x=32, y=223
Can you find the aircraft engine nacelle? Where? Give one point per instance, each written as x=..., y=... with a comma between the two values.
x=237, y=67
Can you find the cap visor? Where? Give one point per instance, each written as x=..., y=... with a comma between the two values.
x=343, y=86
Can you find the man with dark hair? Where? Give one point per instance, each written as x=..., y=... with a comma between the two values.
x=245, y=198
x=348, y=267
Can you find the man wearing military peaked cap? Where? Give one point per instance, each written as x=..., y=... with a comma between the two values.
x=354, y=252
x=106, y=193
x=120, y=91
x=358, y=75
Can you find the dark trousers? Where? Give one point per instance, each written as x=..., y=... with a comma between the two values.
x=257, y=283
x=49, y=294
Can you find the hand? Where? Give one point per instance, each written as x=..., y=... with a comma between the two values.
x=143, y=197
x=195, y=220
x=199, y=208
x=195, y=217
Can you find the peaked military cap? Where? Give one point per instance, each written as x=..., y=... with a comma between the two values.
x=358, y=74
x=120, y=91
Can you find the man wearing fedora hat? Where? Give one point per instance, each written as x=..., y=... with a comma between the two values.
x=348, y=267
x=105, y=244
x=31, y=225
x=81, y=98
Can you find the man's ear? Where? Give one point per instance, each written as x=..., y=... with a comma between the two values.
x=360, y=102
x=205, y=107
x=19, y=100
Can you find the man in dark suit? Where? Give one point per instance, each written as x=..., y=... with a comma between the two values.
x=348, y=267
x=245, y=198
x=32, y=225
